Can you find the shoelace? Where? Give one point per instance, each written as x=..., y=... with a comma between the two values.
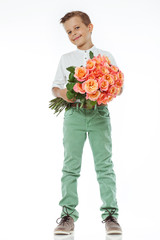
x=65, y=218
x=110, y=217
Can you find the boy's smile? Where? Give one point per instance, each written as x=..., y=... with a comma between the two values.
x=78, y=33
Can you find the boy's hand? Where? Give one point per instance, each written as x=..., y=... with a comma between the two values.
x=63, y=93
x=121, y=91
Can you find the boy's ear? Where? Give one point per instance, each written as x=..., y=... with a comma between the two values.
x=90, y=27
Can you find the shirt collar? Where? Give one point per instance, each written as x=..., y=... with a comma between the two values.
x=87, y=50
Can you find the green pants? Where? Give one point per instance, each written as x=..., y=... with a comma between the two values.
x=77, y=122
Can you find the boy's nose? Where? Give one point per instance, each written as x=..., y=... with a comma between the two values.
x=74, y=36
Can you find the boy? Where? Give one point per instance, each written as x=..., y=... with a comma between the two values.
x=77, y=122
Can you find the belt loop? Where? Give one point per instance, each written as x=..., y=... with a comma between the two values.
x=77, y=105
x=95, y=106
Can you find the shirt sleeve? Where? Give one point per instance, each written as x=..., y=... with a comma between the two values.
x=112, y=59
x=60, y=78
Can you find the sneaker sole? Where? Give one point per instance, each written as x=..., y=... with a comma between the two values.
x=63, y=233
x=113, y=232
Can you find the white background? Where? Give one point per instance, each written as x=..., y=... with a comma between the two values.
x=31, y=156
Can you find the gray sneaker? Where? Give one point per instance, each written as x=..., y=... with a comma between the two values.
x=111, y=225
x=66, y=225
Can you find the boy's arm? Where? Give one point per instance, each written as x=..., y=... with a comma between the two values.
x=59, y=79
x=56, y=91
x=58, y=85
x=62, y=94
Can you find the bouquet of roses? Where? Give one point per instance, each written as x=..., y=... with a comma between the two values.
x=98, y=82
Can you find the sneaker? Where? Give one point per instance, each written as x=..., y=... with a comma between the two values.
x=66, y=225
x=111, y=225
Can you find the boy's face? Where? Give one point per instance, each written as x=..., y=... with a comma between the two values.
x=75, y=28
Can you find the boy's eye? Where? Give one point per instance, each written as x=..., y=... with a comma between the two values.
x=70, y=31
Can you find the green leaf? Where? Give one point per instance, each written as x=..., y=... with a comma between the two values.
x=91, y=54
x=71, y=69
x=70, y=95
x=71, y=77
x=70, y=86
x=93, y=103
x=90, y=103
x=80, y=96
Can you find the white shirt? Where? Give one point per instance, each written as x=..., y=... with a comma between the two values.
x=75, y=58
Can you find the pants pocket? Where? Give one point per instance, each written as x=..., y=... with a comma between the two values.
x=68, y=113
x=104, y=112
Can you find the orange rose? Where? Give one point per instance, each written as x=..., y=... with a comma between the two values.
x=104, y=98
x=81, y=73
x=113, y=90
x=120, y=75
x=103, y=84
x=118, y=83
x=109, y=78
x=91, y=75
x=90, y=86
x=78, y=88
x=104, y=70
x=93, y=96
x=114, y=68
x=108, y=61
x=90, y=64
x=115, y=76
